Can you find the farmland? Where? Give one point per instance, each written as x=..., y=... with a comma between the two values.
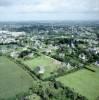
x=49, y=64
x=13, y=79
x=84, y=81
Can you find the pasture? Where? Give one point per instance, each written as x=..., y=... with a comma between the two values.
x=13, y=79
x=84, y=82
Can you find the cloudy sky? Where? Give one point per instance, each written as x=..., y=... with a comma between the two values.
x=26, y=10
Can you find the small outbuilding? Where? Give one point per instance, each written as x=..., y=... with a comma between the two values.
x=97, y=63
x=39, y=70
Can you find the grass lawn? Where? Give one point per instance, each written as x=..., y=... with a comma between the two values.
x=13, y=79
x=84, y=82
x=49, y=64
x=34, y=97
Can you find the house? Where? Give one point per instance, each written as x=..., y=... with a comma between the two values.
x=48, y=51
x=82, y=56
x=97, y=63
x=63, y=64
x=30, y=55
x=39, y=70
x=94, y=50
x=68, y=66
x=62, y=55
x=72, y=44
x=14, y=54
x=70, y=51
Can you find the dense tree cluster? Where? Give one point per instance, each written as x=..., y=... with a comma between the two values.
x=52, y=90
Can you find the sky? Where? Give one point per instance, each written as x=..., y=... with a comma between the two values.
x=32, y=10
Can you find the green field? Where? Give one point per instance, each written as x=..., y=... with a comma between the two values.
x=13, y=79
x=49, y=64
x=84, y=82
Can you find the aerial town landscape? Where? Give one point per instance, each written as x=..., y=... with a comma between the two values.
x=49, y=61
x=49, y=49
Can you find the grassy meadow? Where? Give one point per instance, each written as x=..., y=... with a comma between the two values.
x=13, y=79
x=50, y=64
x=84, y=82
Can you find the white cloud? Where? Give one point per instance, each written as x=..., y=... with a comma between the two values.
x=53, y=8
x=59, y=6
x=41, y=6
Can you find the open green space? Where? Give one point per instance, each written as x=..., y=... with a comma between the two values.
x=13, y=79
x=84, y=81
x=49, y=64
x=34, y=97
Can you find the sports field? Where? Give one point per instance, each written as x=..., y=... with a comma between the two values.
x=50, y=64
x=84, y=82
x=13, y=79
